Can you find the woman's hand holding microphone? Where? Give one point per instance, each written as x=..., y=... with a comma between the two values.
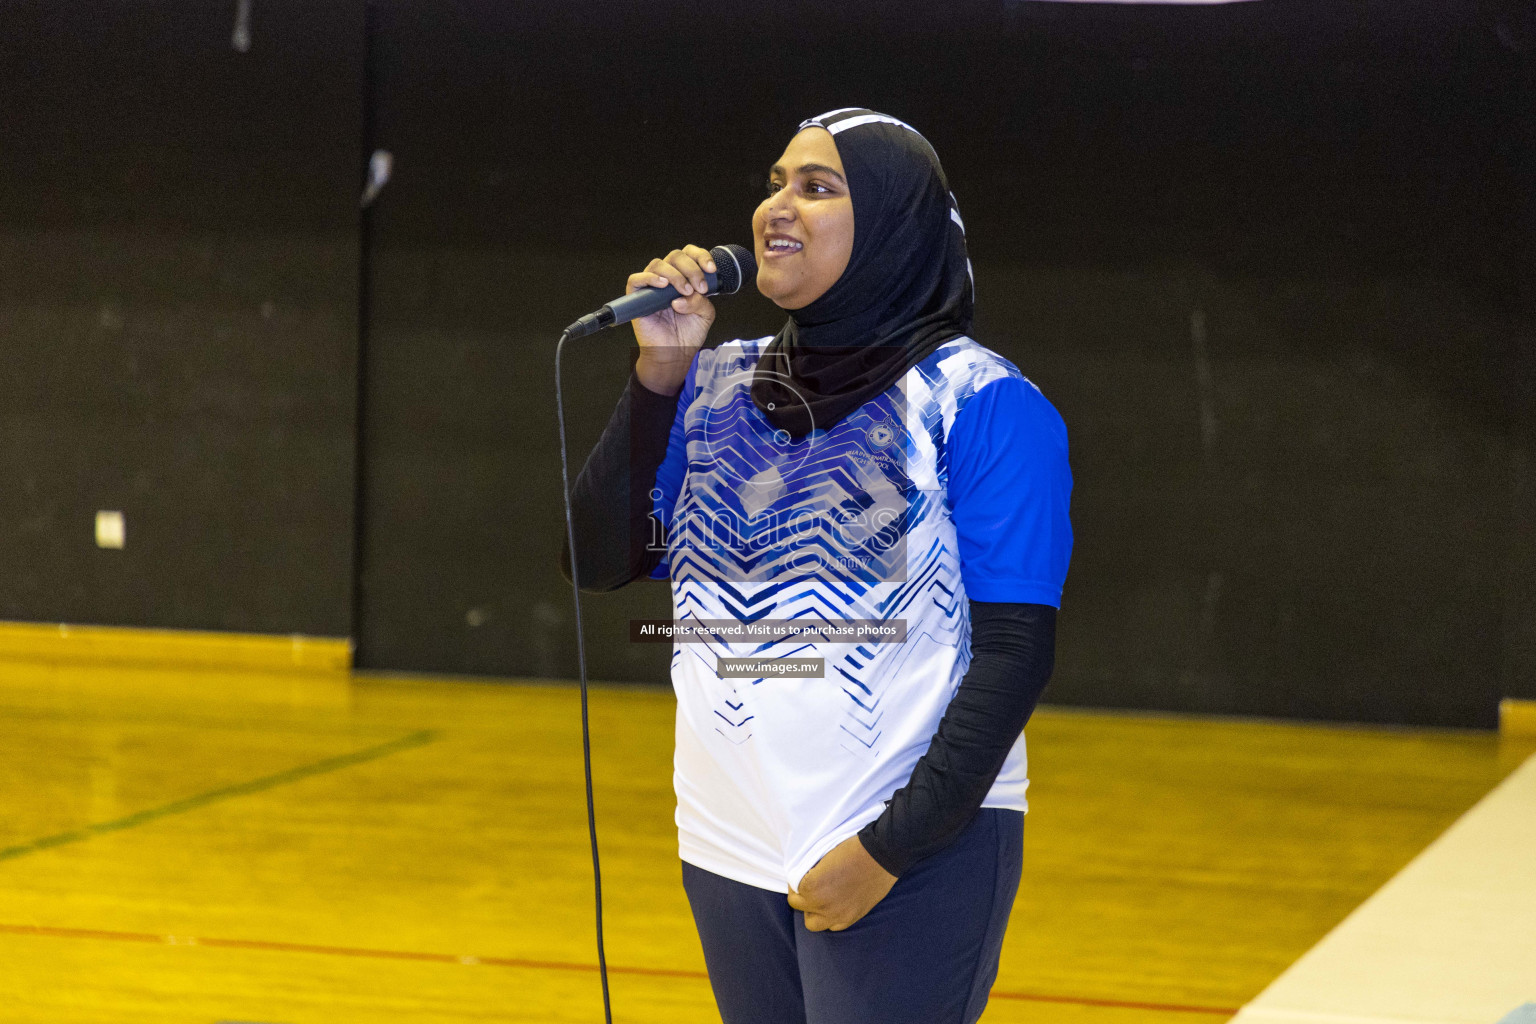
x=669, y=338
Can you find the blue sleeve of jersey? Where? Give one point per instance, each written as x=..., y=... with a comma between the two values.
x=1009, y=492
x=669, y=475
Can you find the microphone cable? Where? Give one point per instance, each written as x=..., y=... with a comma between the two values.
x=581, y=661
x=735, y=265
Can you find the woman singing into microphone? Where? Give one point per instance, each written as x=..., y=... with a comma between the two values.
x=851, y=830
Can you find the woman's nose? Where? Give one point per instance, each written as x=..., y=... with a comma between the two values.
x=778, y=207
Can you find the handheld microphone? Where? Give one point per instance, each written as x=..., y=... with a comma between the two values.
x=733, y=265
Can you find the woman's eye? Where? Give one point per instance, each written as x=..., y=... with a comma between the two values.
x=773, y=187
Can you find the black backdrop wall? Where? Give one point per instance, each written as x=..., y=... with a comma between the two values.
x=1270, y=262
x=178, y=312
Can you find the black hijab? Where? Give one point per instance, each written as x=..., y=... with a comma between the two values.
x=906, y=290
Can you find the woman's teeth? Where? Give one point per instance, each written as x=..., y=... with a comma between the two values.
x=781, y=245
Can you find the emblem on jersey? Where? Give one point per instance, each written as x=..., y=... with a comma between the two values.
x=880, y=435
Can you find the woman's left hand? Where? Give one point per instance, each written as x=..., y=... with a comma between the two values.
x=842, y=887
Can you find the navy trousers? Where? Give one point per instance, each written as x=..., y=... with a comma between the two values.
x=926, y=954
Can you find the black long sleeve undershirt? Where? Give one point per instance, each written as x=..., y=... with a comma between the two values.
x=1012, y=644
x=1013, y=649
x=611, y=498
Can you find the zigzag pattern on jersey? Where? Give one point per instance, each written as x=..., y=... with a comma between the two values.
x=929, y=600
x=730, y=556
x=756, y=507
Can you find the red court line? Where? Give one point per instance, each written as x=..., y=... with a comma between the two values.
x=304, y=947
x=1117, y=1004
x=503, y=961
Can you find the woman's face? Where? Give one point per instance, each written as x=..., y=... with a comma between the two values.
x=803, y=231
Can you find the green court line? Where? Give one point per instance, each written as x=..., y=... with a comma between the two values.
x=192, y=803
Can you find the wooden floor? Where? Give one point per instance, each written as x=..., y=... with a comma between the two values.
x=182, y=846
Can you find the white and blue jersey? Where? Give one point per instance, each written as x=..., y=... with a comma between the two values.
x=952, y=484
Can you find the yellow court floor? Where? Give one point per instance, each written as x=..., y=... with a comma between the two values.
x=192, y=847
